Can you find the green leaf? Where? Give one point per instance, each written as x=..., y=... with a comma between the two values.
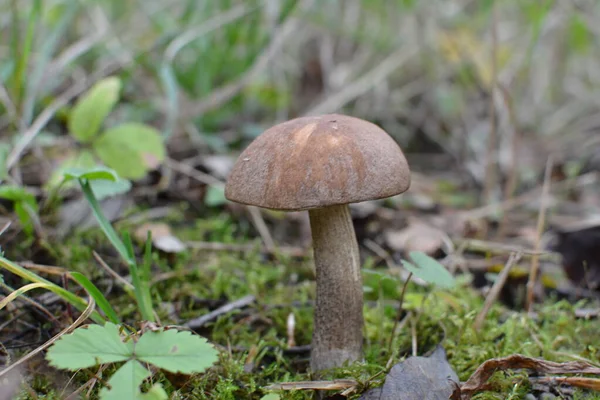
x=215, y=196
x=86, y=348
x=90, y=174
x=92, y=109
x=579, y=38
x=17, y=194
x=429, y=269
x=25, y=205
x=83, y=160
x=271, y=396
x=131, y=149
x=176, y=351
x=156, y=392
x=4, y=151
x=103, y=188
x=125, y=383
x=97, y=295
x=104, y=181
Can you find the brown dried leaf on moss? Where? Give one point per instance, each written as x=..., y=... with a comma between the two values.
x=478, y=381
x=418, y=378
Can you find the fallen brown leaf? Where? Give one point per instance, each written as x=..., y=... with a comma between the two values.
x=417, y=236
x=162, y=238
x=478, y=380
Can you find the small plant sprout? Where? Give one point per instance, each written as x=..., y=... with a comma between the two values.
x=140, y=276
x=129, y=148
x=322, y=164
x=24, y=204
x=168, y=349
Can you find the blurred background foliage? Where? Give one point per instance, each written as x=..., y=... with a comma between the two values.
x=216, y=73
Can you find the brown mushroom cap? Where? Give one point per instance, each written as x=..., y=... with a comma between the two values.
x=318, y=161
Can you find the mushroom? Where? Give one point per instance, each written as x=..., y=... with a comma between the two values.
x=322, y=164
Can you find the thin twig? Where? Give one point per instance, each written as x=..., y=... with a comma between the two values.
x=397, y=319
x=496, y=288
x=491, y=165
x=119, y=278
x=511, y=181
x=540, y=227
x=364, y=83
x=227, y=308
x=217, y=246
x=487, y=210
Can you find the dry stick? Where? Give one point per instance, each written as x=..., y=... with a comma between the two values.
x=217, y=246
x=119, y=278
x=255, y=214
x=364, y=83
x=397, y=319
x=413, y=334
x=490, y=166
x=234, y=305
x=540, y=227
x=499, y=248
x=482, y=212
x=30, y=301
x=5, y=227
x=495, y=291
x=511, y=182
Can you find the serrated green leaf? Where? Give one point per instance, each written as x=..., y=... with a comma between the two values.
x=131, y=149
x=428, y=269
x=90, y=174
x=92, y=109
x=156, y=392
x=125, y=383
x=176, y=351
x=85, y=348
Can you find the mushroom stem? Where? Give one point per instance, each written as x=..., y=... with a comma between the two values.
x=338, y=324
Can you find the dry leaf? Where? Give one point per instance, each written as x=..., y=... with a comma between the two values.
x=162, y=238
x=478, y=381
x=417, y=236
x=418, y=378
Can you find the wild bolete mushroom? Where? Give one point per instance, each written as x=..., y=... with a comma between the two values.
x=322, y=164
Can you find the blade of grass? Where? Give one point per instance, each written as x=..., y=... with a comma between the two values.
x=105, y=225
x=24, y=52
x=45, y=51
x=101, y=301
x=20, y=291
x=140, y=283
x=69, y=297
x=124, y=248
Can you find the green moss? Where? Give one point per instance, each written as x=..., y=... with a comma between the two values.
x=254, y=339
